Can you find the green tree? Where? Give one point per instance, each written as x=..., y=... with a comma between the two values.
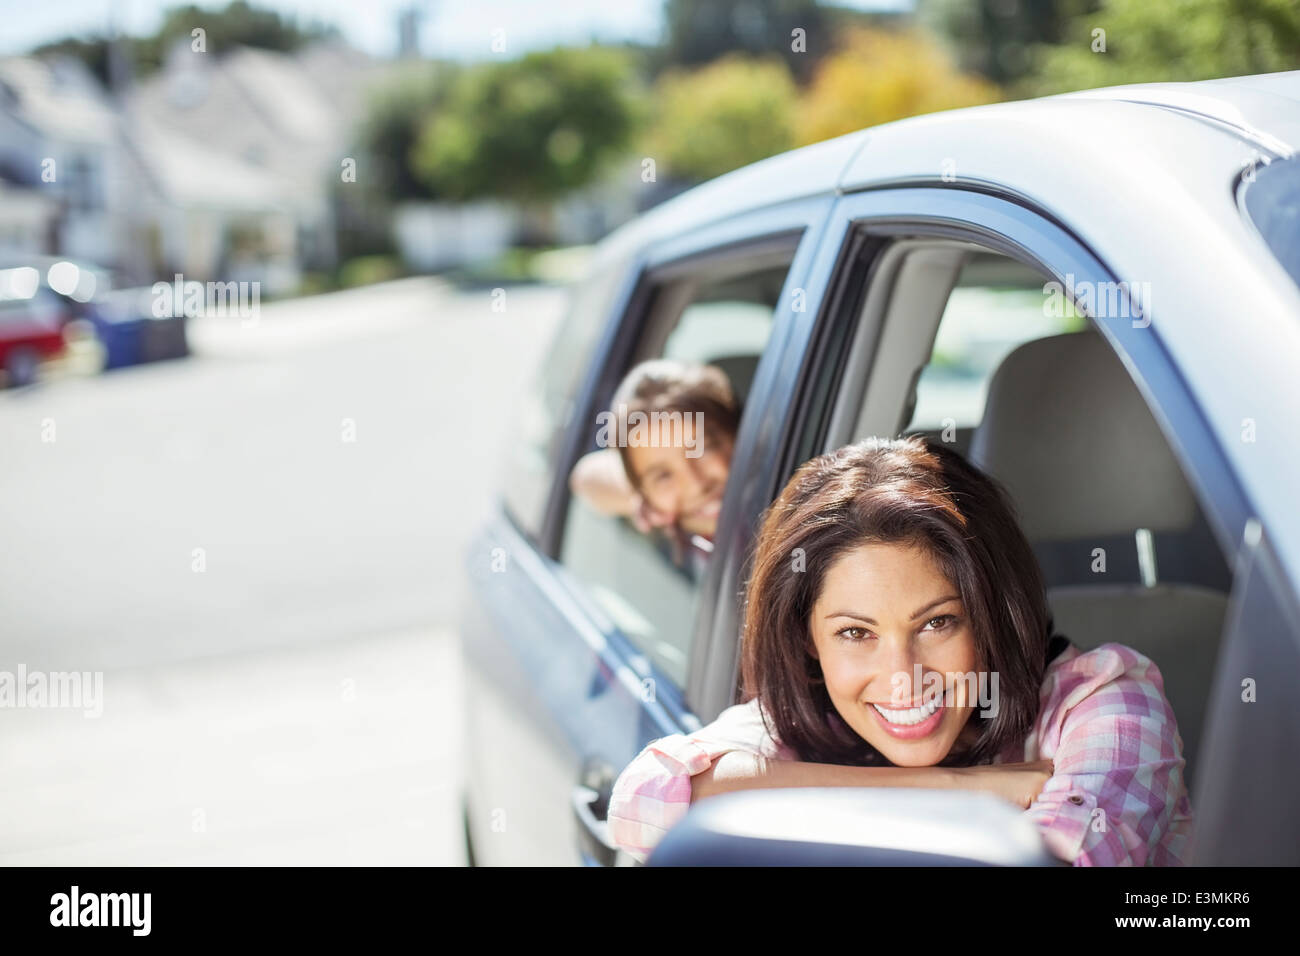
x=396, y=114
x=995, y=38
x=529, y=130
x=702, y=31
x=1175, y=40
x=238, y=24
x=882, y=75
x=733, y=112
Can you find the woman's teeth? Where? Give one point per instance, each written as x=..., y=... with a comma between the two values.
x=912, y=715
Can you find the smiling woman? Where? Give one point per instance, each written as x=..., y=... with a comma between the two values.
x=890, y=580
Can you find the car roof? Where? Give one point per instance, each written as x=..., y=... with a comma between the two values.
x=1260, y=107
x=1266, y=107
x=1146, y=176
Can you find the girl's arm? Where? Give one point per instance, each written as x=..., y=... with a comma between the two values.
x=599, y=480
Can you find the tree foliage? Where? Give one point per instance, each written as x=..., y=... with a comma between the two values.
x=883, y=75
x=702, y=31
x=397, y=112
x=1174, y=40
x=730, y=113
x=530, y=129
x=995, y=38
x=238, y=24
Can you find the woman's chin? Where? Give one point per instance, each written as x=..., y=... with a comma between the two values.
x=912, y=756
x=924, y=751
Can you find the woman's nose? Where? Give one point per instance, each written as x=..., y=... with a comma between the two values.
x=898, y=664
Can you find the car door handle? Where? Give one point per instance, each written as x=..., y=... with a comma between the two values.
x=593, y=829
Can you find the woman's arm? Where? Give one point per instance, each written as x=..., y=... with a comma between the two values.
x=1118, y=797
x=742, y=770
x=735, y=752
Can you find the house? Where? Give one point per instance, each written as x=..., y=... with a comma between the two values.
x=58, y=159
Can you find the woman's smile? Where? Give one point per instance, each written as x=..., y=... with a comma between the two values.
x=911, y=723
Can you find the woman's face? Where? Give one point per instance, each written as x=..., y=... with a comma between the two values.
x=883, y=610
x=687, y=488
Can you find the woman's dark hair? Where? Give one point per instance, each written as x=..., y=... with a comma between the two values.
x=668, y=385
x=887, y=491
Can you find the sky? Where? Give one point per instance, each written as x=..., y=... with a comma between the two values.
x=454, y=29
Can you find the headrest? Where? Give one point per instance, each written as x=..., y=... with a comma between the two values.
x=1068, y=433
x=739, y=370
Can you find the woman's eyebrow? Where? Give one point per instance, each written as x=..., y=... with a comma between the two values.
x=915, y=615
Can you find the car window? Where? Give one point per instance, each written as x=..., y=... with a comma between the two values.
x=1271, y=200
x=547, y=409
x=1022, y=383
x=648, y=582
x=996, y=305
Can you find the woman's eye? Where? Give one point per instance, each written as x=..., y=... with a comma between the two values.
x=939, y=623
x=852, y=634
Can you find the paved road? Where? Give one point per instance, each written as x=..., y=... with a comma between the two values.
x=295, y=700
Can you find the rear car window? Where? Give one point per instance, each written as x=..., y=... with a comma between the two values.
x=547, y=410
x=1270, y=196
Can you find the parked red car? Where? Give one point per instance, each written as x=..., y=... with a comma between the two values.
x=31, y=325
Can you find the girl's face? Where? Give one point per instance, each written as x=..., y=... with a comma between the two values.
x=883, y=610
x=687, y=488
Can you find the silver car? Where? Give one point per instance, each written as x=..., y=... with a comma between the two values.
x=1095, y=296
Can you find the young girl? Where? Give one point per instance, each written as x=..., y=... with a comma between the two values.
x=897, y=635
x=669, y=481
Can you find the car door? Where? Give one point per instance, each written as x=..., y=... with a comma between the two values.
x=578, y=646
x=897, y=256
x=853, y=346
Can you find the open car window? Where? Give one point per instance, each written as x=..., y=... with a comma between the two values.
x=988, y=354
x=647, y=581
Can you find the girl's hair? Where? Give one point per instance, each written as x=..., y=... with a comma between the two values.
x=667, y=385
x=891, y=490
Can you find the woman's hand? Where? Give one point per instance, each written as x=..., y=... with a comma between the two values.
x=1020, y=783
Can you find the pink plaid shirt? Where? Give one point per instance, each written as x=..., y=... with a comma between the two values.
x=1103, y=720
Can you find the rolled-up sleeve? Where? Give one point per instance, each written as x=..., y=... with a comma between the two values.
x=1117, y=796
x=654, y=791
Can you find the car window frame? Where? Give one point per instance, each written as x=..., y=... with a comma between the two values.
x=796, y=223
x=861, y=226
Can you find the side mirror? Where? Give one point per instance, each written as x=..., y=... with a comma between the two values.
x=852, y=826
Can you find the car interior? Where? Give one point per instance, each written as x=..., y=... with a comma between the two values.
x=1044, y=404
